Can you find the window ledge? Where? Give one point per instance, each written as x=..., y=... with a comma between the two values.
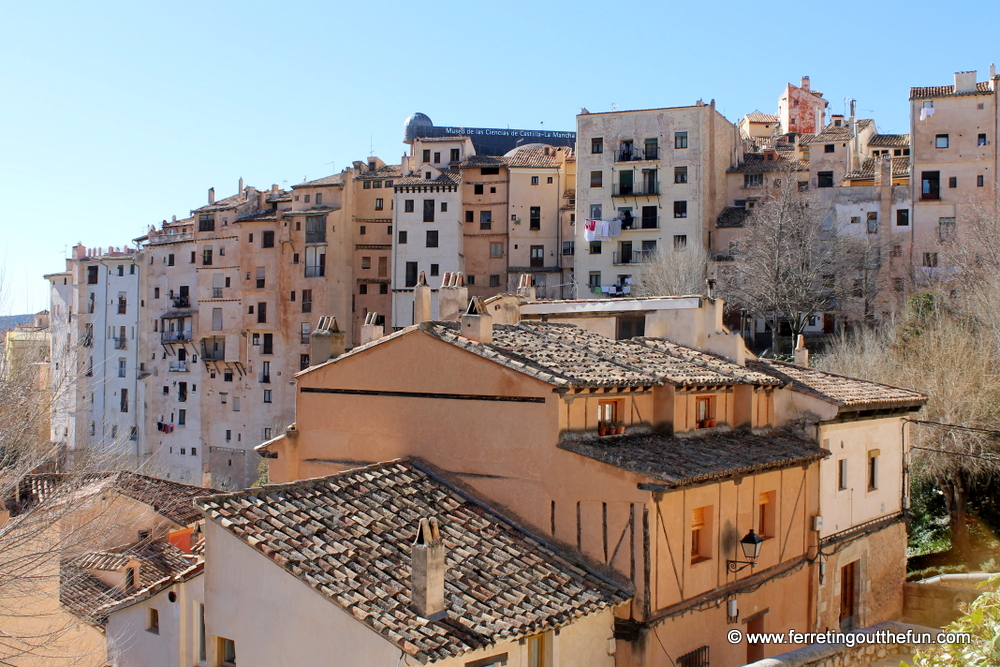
x=700, y=559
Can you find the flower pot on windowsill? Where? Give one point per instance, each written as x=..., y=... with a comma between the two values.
x=710, y=423
x=619, y=429
x=602, y=430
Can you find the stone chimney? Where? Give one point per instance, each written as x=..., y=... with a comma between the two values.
x=453, y=297
x=274, y=189
x=421, y=300
x=477, y=323
x=241, y=186
x=427, y=571
x=993, y=70
x=965, y=82
x=370, y=330
x=211, y=195
x=326, y=342
x=801, y=353
x=805, y=83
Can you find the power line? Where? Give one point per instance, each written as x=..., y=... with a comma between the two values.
x=954, y=426
x=994, y=459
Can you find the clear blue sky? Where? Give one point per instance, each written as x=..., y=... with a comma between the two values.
x=115, y=116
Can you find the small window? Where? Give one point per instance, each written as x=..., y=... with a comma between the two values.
x=496, y=250
x=362, y=289
x=979, y=181
x=981, y=140
x=680, y=139
x=402, y=236
x=535, y=218
x=829, y=148
x=824, y=179
x=435, y=269
x=494, y=280
x=267, y=395
x=700, y=532
x=680, y=241
x=477, y=188
x=765, y=515
x=873, y=469
x=227, y=652
x=704, y=408
x=534, y=180
x=379, y=204
x=470, y=279
x=569, y=248
x=855, y=219
x=597, y=179
x=485, y=219
x=444, y=207
x=407, y=206
x=266, y=241
x=872, y=222
x=941, y=141
x=383, y=289
x=930, y=259
x=152, y=619
x=842, y=475
x=952, y=182
x=595, y=247
x=470, y=216
x=597, y=145
x=680, y=209
x=455, y=157
x=680, y=174
x=903, y=217
x=432, y=238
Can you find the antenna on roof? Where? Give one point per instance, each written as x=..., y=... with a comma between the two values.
x=371, y=144
x=614, y=106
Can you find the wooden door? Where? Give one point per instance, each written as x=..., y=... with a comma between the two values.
x=848, y=575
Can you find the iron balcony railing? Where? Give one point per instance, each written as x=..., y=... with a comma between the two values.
x=181, y=302
x=635, y=190
x=175, y=336
x=120, y=343
x=315, y=271
x=638, y=154
x=645, y=222
x=178, y=367
x=633, y=256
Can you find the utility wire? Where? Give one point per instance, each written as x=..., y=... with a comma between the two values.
x=954, y=426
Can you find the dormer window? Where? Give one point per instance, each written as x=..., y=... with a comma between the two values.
x=704, y=408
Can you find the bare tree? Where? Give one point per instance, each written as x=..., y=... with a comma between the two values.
x=785, y=265
x=672, y=273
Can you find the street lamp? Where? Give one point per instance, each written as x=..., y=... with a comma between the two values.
x=751, y=550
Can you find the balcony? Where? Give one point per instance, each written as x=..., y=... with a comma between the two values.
x=213, y=349
x=645, y=222
x=175, y=336
x=315, y=271
x=121, y=343
x=88, y=341
x=122, y=307
x=638, y=154
x=216, y=292
x=635, y=190
x=178, y=367
x=181, y=301
x=634, y=257
x=263, y=378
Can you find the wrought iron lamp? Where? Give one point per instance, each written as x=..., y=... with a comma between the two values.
x=751, y=550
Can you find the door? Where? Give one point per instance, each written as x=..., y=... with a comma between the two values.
x=848, y=600
x=625, y=182
x=755, y=651
x=625, y=253
x=649, y=220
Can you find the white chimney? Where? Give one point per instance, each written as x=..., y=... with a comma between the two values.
x=241, y=186
x=965, y=82
x=421, y=300
x=427, y=571
x=801, y=353
x=211, y=195
x=477, y=323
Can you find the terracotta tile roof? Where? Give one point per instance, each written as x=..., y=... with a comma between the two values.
x=840, y=390
x=91, y=599
x=757, y=116
x=223, y=204
x=170, y=499
x=483, y=161
x=570, y=193
x=732, y=216
x=832, y=133
x=349, y=537
x=889, y=141
x=385, y=171
x=533, y=157
x=567, y=355
x=335, y=179
x=900, y=169
x=755, y=163
x=446, y=177
x=690, y=459
x=261, y=215
x=982, y=88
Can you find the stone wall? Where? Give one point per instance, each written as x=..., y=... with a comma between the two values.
x=939, y=600
x=860, y=655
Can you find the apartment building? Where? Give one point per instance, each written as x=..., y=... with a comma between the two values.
x=955, y=162
x=95, y=340
x=648, y=181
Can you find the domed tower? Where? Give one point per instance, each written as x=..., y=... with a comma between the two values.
x=413, y=123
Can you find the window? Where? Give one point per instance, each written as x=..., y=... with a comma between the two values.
x=426, y=155
x=535, y=218
x=206, y=223
x=493, y=661
x=569, y=248
x=236, y=403
x=855, y=219
x=306, y=199
x=379, y=204
x=444, y=207
x=366, y=262
x=152, y=619
x=697, y=657
x=829, y=148
x=485, y=219
x=315, y=261
x=496, y=250
x=537, y=650
x=181, y=417
x=700, y=532
x=304, y=333
x=432, y=238
x=316, y=230
x=930, y=259
x=123, y=406
x=261, y=313
x=407, y=206
x=537, y=255
x=267, y=395
x=534, y=180
x=470, y=279
x=362, y=289
x=121, y=368
x=680, y=139
x=594, y=279
x=872, y=222
x=629, y=327
x=680, y=209
x=753, y=180
x=903, y=217
x=979, y=181
x=206, y=256
x=597, y=145
x=897, y=284
x=824, y=179
x=402, y=236
x=428, y=210
x=307, y=298
x=941, y=141
x=595, y=247
x=597, y=179
x=223, y=397
x=680, y=241
x=981, y=140
x=595, y=211
x=455, y=155
x=182, y=392
x=607, y=412
x=411, y=274
x=92, y=275
x=704, y=410
x=765, y=515
x=873, y=469
x=680, y=174
x=266, y=240
x=227, y=652
x=261, y=278
x=437, y=157
x=268, y=348
x=495, y=280
x=842, y=475
x=477, y=189
x=952, y=182
x=383, y=289
x=170, y=259
x=930, y=185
